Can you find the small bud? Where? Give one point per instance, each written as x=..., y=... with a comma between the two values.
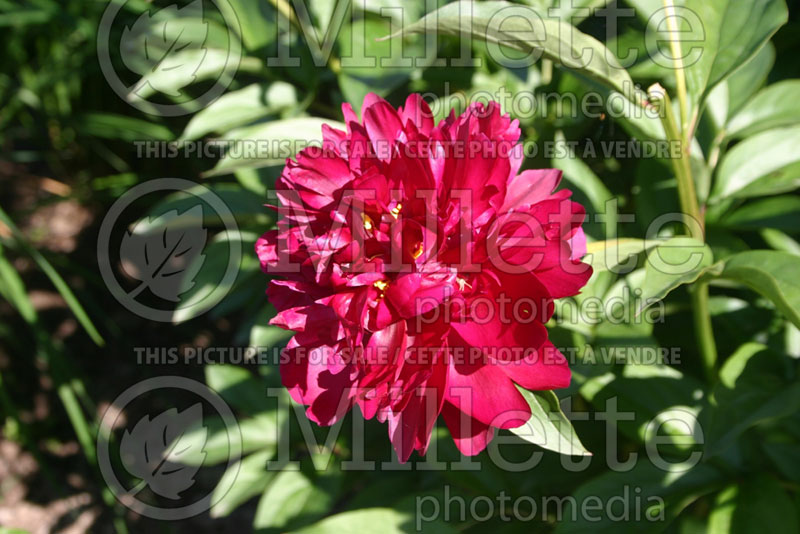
x=656, y=93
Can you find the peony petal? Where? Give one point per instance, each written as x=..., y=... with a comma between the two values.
x=417, y=111
x=530, y=187
x=418, y=293
x=567, y=280
x=482, y=390
x=383, y=126
x=577, y=244
x=309, y=381
x=470, y=435
x=266, y=249
x=544, y=369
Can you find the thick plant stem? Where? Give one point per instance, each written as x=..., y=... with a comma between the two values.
x=703, y=329
x=694, y=223
x=687, y=194
x=680, y=75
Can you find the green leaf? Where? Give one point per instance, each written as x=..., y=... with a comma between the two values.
x=624, y=292
x=240, y=482
x=638, y=123
x=284, y=498
x=786, y=457
x=294, y=496
x=678, y=261
x=720, y=519
x=765, y=164
x=272, y=143
x=238, y=386
x=573, y=12
x=548, y=427
x=58, y=282
x=775, y=106
x=782, y=213
x=110, y=126
x=578, y=173
x=257, y=21
x=752, y=389
x=386, y=520
x=754, y=505
x=204, y=283
x=522, y=29
x=212, y=64
x=731, y=32
x=728, y=97
x=393, y=60
x=664, y=494
x=23, y=17
x=748, y=79
x=646, y=8
x=245, y=207
x=150, y=40
x=608, y=255
x=237, y=108
x=13, y=290
x=265, y=335
x=254, y=180
x=771, y=273
x=661, y=398
x=411, y=10
x=258, y=433
x=780, y=241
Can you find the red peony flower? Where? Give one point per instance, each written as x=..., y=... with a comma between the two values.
x=418, y=266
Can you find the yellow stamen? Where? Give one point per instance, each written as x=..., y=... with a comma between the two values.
x=381, y=285
x=367, y=222
x=396, y=210
x=417, y=252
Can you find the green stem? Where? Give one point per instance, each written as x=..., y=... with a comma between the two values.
x=687, y=191
x=694, y=224
x=681, y=166
x=704, y=331
x=547, y=71
x=680, y=75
